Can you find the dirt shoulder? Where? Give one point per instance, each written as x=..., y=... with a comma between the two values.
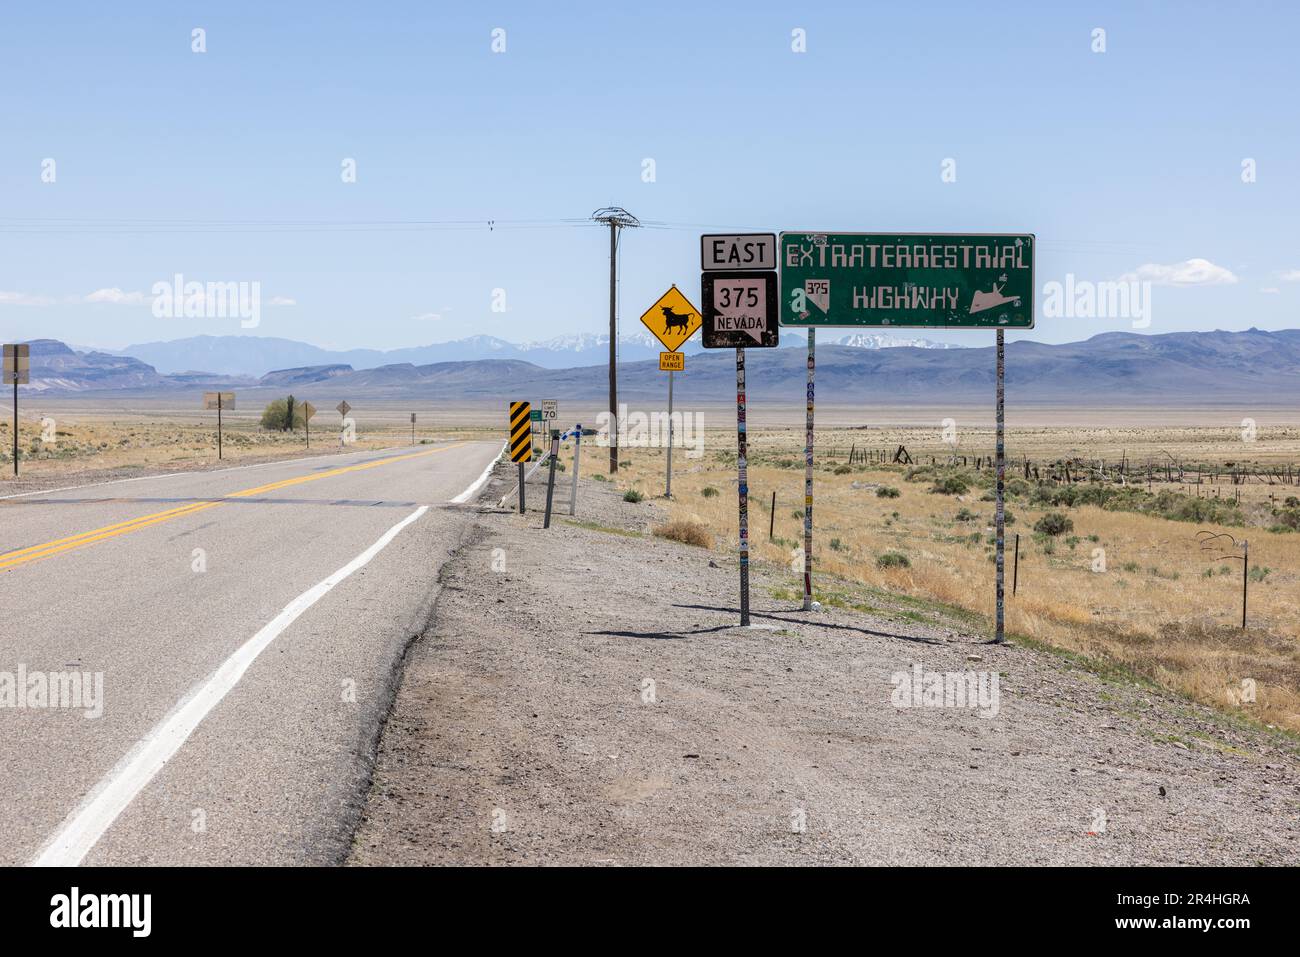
x=524, y=731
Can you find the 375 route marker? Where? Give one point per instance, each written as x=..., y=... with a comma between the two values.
x=740, y=312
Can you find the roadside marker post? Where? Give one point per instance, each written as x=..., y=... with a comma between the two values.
x=740, y=311
x=550, y=478
x=577, y=457
x=218, y=401
x=1015, y=567
x=17, y=369
x=670, y=362
x=412, y=428
x=521, y=441
x=672, y=319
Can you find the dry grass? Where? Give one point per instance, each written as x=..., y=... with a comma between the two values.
x=686, y=531
x=1133, y=589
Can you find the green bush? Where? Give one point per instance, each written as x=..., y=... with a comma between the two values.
x=952, y=485
x=887, y=491
x=892, y=560
x=1054, y=523
x=965, y=515
x=632, y=495
x=843, y=469
x=276, y=416
x=709, y=491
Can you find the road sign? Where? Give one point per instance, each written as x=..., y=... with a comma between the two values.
x=219, y=400
x=550, y=410
x=308, y=410
x=17, y=363
x=921, y=280
x=413, y=418
x=535, y=415
x=672, y=362
x=343, y=407
x=672, y=319
x=738, y=251
x=521, y=438
x=740, y=310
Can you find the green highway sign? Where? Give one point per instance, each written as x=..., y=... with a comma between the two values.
x=921, y=280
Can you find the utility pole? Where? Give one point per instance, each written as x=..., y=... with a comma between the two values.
x=615, y=217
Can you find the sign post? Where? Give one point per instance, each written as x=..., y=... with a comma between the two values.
x=808, y=479
x=218, y=401
x=17, y=369
x=999, y=508
x=308, y=410
x=412, y=428
x=742, y=473
x=740, y=312
x=672, y=319
x=521, y=441
x=550, y=478
x=577, y=458
x=910, y=280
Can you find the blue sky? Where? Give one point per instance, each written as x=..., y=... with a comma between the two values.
x=1119, y=160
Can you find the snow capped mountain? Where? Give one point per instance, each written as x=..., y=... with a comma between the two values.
x=887, y=340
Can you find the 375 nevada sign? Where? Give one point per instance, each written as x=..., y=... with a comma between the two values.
x=920, y=280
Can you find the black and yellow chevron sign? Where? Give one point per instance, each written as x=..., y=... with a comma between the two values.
x=521, y=437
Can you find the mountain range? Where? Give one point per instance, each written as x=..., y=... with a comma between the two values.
x=1115, y=368
x=258, y=355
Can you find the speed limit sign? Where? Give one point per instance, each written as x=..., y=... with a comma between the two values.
x=550, y=410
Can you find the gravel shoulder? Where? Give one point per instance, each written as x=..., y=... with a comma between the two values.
x=583, y=695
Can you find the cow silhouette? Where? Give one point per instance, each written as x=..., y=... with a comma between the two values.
x=674, y=320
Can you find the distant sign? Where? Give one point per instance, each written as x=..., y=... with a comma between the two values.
x=672, y=319
x=920, y=280
x=343, y=407
x=17, y=363
x=308, y=410
x=740, y=310
x=413, y=418
x=550, y=410
x=738, y=251
x=218, y=400
x=672, y=362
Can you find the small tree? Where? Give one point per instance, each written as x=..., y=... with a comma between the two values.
x=282, y=415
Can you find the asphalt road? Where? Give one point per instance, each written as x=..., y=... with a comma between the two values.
x=247, y=624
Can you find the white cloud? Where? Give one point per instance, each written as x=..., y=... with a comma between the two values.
x=281, y=301
x=1191, y=272
x=1291, y=275
x=23, y=299
x=116, y=296
x=428, y=317
x=1272, y=290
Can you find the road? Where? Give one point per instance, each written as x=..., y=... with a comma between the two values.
x=247, y=623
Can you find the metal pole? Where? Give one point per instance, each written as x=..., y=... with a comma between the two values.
x=521, y=488
x=668, y=485
x=306, y=424
x=218, y=424
x=550, y=478
x=742, y=468
x=1015, y=568
x=808, y=478
x=1000, y=511
x=15, y=416
x=1245, y=577
x=613, y=351
x=771, y=517
x=577, y=457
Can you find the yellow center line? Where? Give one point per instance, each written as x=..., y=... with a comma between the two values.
x=31, y=553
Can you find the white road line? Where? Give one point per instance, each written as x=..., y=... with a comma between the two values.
x=464, y=496
x=83, y=828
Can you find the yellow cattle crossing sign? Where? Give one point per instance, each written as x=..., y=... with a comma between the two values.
x=521, y=437
x=672, y=362
x=672, y=319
